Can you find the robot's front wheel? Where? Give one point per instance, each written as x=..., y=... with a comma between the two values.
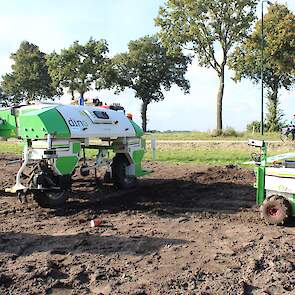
x=51, y=199
x=275, y=210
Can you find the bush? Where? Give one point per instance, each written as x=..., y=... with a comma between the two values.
x=227, y=132
x=254, y=125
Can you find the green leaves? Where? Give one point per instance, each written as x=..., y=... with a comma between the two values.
x=79, y=66
x=279, y=50
x=148, y=69
x=4, y=99
x=29, y=79
x=209, y=29
x=205, y=27
x=278, y=61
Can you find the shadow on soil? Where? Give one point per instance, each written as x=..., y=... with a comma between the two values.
x=24, y=244
x=164, y=197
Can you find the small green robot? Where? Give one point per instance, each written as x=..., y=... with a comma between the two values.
x=275, y=184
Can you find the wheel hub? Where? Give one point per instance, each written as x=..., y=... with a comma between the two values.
x=55, y=196
x=273, y=211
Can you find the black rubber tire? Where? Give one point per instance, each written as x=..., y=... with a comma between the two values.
x=82, y=172
x=119, y=177
x=51, y=199
x=275, y=210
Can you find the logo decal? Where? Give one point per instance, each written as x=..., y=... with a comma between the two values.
x=77, y=123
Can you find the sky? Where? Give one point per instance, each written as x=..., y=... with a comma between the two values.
x=56, y=24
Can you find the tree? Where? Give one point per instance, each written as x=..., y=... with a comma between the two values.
x=148, y=70
x=253, y=126
x=3, y=98
x=278, y=62
x=274, y=117
x=210, y=29
x=78, y=66
x=29, y=79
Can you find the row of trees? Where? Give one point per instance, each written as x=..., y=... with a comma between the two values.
x=216, y=32
x=146, y=68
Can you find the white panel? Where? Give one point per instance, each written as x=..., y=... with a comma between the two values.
x=280, y=184
x=81, y=126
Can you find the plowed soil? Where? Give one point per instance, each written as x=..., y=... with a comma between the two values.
x=185, y=229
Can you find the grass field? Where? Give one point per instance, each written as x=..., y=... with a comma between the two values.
x=201, y=153
x=208, y=136
x=11, y=148
x=211, y=153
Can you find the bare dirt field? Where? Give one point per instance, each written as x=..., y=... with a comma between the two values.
x=186, y=229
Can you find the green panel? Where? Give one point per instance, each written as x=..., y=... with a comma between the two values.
x=36, y=124
x=138, y=130
x=293, y=205
x=260, y=176
x=143, y=144
x=260, y=180
x=137, y=157
x=8, y=129
x=55, y=123
x=76, y=147
x=66, y=165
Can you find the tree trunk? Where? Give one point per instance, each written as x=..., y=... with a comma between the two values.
x=31, y=97
x=274, y=115
x=219, y=102
x=144, y=106
x=72, y=94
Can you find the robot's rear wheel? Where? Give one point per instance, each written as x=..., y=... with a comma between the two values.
x=120, y=178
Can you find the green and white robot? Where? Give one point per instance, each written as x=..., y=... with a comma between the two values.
x=275, y=184
x=56, y=137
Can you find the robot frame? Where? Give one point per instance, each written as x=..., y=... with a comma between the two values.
x=56, y=137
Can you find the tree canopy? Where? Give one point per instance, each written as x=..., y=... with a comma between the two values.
x=210, y=29
x=278, y=61
x=148, y=70
x=29, y=79
x=77, y=67
x=3, y=98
